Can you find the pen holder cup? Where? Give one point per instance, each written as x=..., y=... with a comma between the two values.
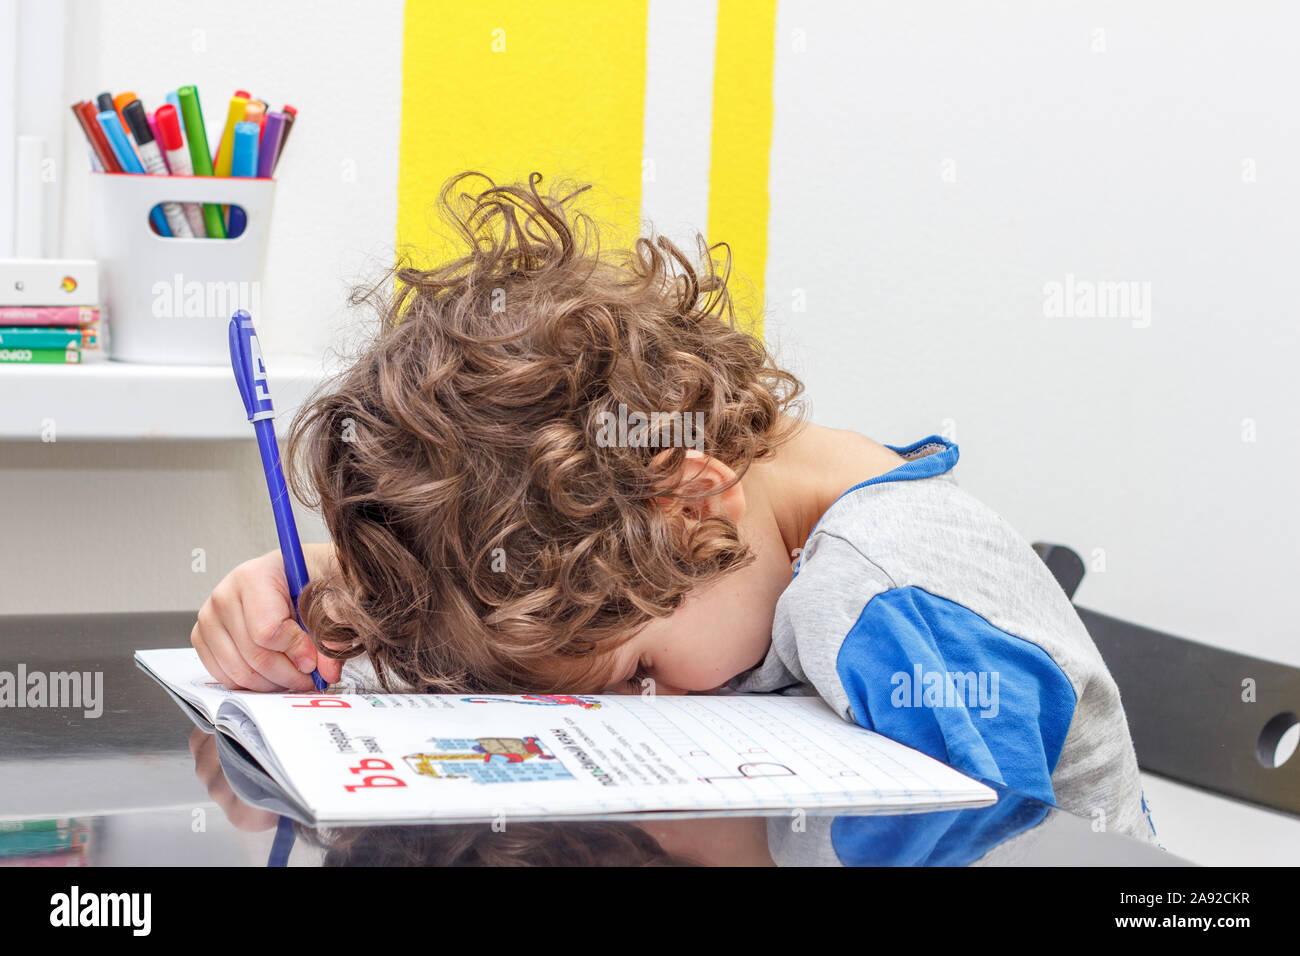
x=167, y=300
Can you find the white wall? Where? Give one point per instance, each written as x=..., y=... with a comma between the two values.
x=935, y=165
x=925, y=302
x=111, y=527
x=924, y=296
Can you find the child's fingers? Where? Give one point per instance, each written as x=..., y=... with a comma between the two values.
x=205, y=655
x=330, y=669
x=274, y=628
x=269, y=620
x=271, y=666
x=292, y=641
x=221, y=645
x=296, y=644
x=276, y=666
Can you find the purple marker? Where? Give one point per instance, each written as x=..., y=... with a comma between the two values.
x=269, y=148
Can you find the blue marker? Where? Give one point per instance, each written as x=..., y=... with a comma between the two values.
x=125, y=154
x=243, y=163
x=250, y=376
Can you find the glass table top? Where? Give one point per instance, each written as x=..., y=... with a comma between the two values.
x=138, y=784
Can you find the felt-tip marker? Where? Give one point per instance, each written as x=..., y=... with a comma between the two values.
x=112, y=128
x=169, y=131
x=87, y=116
x=290, y=117
x=268, y=150
x=119, y=104
x=133, y=113
x=243, y=165
x=197, y=139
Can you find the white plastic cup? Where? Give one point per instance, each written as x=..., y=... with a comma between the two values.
x=168, y=301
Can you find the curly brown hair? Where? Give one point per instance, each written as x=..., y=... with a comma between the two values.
x=528, y=843
x=487, y=539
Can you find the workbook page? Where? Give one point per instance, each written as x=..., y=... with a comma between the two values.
x=182, y=671
x=374, y=758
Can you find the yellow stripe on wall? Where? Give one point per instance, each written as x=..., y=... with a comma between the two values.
x=506, y=87
x=742, y=146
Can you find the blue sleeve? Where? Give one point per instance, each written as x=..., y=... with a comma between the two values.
x=939, y=678
x=948, y=838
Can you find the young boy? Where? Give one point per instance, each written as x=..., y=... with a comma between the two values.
x=557, y=470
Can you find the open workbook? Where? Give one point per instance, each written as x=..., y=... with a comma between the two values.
x=360, y=758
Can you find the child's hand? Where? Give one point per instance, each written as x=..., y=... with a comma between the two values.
x=247, y=635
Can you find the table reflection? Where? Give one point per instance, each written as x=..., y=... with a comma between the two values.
x=941, y=838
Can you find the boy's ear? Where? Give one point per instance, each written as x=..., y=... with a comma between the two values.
x=701, y=476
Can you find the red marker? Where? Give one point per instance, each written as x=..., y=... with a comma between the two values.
x=86, y=114
x=178, y=158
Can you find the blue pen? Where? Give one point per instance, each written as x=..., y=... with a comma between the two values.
x=125, y=152
x=243, y=163
x=250, y=376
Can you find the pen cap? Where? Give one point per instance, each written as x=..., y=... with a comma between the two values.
x=104, y=101
x=196, y=135
x=268, y=149
x=169, y=127
x=126, y=155
x=250, y=370
x=133, y=113
x=120, y=101
x=87, y=117
x=243, y=160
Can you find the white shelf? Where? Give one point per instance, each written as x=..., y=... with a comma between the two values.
x=121, y=401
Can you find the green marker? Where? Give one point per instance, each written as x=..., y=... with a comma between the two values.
x=200, y=158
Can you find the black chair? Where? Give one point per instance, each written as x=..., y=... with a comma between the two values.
x=1189, y=705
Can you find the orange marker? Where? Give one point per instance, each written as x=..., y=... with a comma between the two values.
x=118, y=102
x=255, y=112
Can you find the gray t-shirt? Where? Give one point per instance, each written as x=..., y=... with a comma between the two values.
x=918, y=612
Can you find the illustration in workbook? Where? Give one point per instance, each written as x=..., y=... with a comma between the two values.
x=540, y=700
x=488, y=760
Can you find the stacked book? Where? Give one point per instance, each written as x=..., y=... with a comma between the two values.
x=47, y=334
x=49, y=318
x=44, y=842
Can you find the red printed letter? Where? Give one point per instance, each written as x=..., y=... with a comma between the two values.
x=377, y=781
x=371, y=763
x=322, y=702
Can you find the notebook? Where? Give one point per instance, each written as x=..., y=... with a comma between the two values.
x=347, y=757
